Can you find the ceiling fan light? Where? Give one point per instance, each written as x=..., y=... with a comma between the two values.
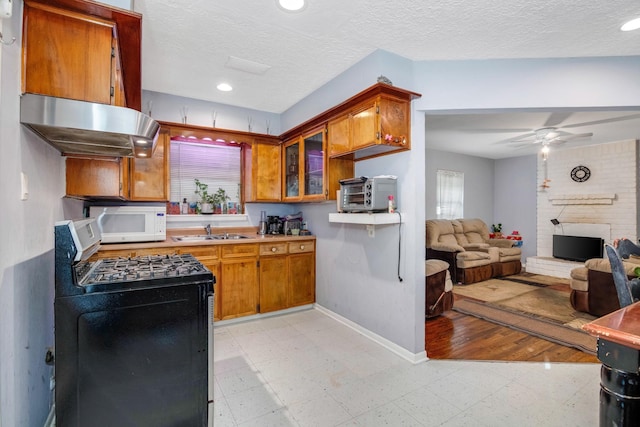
x=634, y=24
x=545, y=149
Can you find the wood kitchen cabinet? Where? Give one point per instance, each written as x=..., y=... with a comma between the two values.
x=287, y=275
x=302, y=273
x=237, y=291
x=308, y=175
x=274, y=293
x=69, y=55
x=82, y=50
x=261, y=170
x=135, y=179
x=149, y=178
x=376, y=126
x=209, y=256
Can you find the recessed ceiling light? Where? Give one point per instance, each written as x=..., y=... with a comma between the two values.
x=224, y=87
x=634, y=24
x=292, y=5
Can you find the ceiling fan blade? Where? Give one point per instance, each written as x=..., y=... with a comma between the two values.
x=556, y=119
x=603, y=121
x=569, y=137
x=487, y=130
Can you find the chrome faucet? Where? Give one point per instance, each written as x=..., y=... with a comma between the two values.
x=208, y=229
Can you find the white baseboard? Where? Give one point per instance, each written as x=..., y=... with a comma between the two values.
x=414, y=358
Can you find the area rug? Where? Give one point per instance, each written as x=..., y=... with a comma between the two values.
x=535, y=304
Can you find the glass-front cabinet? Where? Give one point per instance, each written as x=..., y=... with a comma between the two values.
x=304, y=167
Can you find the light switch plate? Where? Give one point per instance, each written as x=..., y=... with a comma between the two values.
x=6, y=7
x=24, y=186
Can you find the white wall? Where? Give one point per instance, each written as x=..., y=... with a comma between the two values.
x=170, y=108
x=514, y=196
x=356, y=276
x=478, y=183
x=26, y=249
x=614, y=171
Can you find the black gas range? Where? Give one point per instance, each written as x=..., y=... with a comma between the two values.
x=131, y=335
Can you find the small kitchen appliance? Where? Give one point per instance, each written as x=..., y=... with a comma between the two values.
x=367, y=194
x=292, y=222
x=131, y=335
x=275, y=224
x=124, y=224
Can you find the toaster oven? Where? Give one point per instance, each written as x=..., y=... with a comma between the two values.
x=367, y=194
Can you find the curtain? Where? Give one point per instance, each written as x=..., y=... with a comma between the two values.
x=215, y=165
x=450, y=194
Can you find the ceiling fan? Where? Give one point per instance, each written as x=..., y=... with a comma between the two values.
x=546, y=136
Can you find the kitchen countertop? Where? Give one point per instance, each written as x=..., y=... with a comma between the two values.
x=250, y=232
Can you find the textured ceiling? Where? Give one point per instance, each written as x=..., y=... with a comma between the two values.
x=186, y=44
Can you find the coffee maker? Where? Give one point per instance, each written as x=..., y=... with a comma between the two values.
x=274, y=224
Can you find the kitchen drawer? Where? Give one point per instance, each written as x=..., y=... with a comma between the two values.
x=273, y=248
x=202, y=252
x=236, y=251
x=301, y=246
x=157, y=251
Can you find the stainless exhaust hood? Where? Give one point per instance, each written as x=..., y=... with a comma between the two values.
x=79, y=127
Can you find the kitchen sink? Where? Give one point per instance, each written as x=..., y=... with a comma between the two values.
x=192, y=238
x=202, y=237
x=228, y=236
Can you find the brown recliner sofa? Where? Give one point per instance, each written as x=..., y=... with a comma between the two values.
x=438, y=288
x=592, y=287
x=471, y=254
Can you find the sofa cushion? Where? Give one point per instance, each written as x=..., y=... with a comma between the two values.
x=470, y=259
x=433, y=266
x=603, y=265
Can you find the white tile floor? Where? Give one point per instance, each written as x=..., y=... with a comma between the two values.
x=307, y=369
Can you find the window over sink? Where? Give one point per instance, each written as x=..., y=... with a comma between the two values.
x=215, y=164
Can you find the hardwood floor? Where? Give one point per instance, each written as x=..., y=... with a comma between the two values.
x=458, y=336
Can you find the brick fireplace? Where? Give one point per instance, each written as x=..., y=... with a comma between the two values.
x=605, y=205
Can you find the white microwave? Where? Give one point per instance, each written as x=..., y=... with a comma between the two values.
x=121, y=224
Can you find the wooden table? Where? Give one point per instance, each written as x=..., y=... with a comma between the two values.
x=618, y=336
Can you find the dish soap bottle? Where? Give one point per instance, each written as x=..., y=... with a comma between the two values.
x=184, y=208
x=391, y=208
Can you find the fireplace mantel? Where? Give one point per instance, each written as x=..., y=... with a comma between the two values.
x=582, y=199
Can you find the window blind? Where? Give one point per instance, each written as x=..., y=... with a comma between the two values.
x=215, y=165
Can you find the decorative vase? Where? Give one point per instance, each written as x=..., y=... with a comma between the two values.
x=206, y=208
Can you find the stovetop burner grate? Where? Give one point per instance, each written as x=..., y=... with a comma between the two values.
x=112, y=270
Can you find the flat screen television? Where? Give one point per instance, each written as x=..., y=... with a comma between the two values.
x=577, y=248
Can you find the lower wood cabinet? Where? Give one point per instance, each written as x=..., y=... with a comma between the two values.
x=251, y=278
x=287, y=275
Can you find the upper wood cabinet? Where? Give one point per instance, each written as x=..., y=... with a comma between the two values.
x=261, y=170
x=303, y=172
x=308, y=174
x=135, y=179
x=377, y=126
x=372, y=123
x=149, y=178
x=71, y=50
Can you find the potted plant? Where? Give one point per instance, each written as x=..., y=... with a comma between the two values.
x=220, y=199
x=497, y=230
x=207, y=200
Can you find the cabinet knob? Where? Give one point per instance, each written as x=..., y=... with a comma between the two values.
x=274, y=249
x=301, y=247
